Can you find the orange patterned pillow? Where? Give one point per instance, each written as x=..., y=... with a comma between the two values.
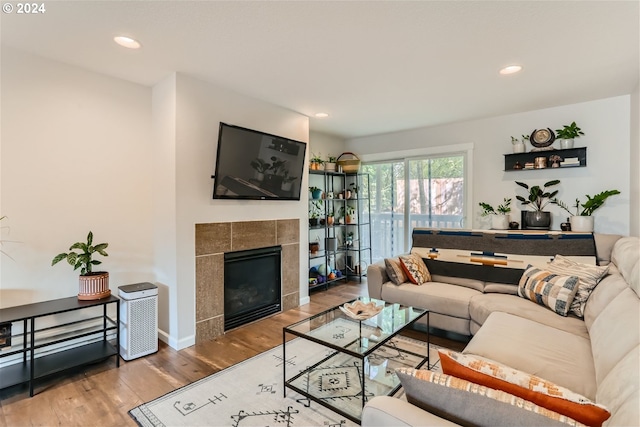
x=415, y=269
x=490, y=373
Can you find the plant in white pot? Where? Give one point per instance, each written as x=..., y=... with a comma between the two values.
x=537, y=200
x=93, y=285
x=567, y=134
x=330, y=164
x=499, y=215
x=582, y=220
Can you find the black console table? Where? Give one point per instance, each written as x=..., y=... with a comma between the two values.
x=32, y=339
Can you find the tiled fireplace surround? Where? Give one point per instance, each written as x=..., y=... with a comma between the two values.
x=214, y=239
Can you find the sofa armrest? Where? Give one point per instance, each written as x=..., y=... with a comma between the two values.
x=390, y=411
x=376, y=277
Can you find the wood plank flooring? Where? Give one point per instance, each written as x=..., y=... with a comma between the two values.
x=101, y=394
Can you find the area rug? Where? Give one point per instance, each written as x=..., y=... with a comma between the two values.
x=250, y=393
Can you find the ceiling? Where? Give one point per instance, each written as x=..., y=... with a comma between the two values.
x=374, y=66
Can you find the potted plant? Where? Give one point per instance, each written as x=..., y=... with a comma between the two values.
x=93, y=285
x=330, y=218
x=567, y=134
x=518, y=146
x=315, y=162
x=315, y=210
x=499, y=215
x=316, y=192
x=347, y=212
x=538, y=199
x=260, y=167
x=330, y=164
x=582, y=220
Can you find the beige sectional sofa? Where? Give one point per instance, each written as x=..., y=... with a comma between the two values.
x=597, y=356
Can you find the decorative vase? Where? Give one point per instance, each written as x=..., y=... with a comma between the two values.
x=519, y=147
x=581, y=223
x=499, y=222
x=330, y=167
x=566, y=143
x=316, y=194
x=94, y=286
x=538, y=220
x=330, y=220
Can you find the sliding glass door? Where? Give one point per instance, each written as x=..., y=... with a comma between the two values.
x=413, y=192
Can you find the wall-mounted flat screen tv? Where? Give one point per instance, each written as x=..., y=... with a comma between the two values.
x=256, y=165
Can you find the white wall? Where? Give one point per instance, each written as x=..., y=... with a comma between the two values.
x=606, y=124
x=75, y=157
x=325, y=145
x=199, y=108
x=634, y=161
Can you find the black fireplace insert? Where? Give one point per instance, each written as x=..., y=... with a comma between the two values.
x=252, y=285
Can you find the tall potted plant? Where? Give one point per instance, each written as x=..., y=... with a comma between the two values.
x=582, y=220
x=499, y=215
x=93, y=285
x=537, y=200
x=567, y=134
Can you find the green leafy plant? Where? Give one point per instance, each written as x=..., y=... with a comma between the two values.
x=83, y=259
x=538, y=197
x=331, y=159
x=316, y=158
x=525, y=138
x=569, y=131
x=316, y=209
x=590, y=205
x=502, y=209
x=346, y=211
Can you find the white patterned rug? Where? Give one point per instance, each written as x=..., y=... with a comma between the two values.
x=250, y=393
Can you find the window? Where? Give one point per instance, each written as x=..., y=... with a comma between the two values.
x=426, y=191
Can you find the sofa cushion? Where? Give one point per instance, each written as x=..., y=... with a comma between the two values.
x=478, y=285
x=541, y=350
x=589, y=276
x=548, y=289
x=619, y=390
x=415, y=269
x=435, y=296
x=604, y=246
x=492, y=374
x=608, y=288
x=615, y=332
x=500, y=288
x=626, y=256
x=466, y=403
x=395, y=271
x=483, y=305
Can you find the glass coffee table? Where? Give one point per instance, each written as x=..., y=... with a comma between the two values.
x=352, y=360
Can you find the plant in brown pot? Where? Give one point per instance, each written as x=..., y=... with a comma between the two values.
x=93, y=285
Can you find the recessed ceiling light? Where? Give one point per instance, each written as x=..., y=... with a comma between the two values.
x=322, y=115
x=511, y=69
x=127, y=42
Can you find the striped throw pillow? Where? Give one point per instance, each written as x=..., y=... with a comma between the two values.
x=589, y=276
x=548, y=289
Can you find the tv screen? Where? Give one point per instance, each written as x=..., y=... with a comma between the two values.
x=256, y=165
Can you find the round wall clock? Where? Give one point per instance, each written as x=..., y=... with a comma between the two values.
x=542, y=137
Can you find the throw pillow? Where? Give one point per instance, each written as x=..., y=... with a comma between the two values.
x=548, y=289
x=469, y=404
x=492, y=374
x=589, y=276
x=415, y=269
x=394, y=270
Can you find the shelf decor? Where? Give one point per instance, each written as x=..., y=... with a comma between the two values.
x=359, y=310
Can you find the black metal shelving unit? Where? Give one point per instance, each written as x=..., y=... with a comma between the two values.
x=359, y=253
x=38, y=358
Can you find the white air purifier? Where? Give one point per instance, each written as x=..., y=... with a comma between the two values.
x=138, y=320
